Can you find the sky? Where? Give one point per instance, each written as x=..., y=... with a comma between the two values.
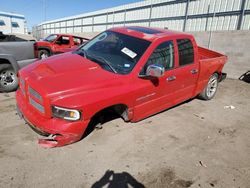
x=33, y=10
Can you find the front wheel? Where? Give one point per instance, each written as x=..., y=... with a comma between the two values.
x=8, y=78
x=210, y=89
x=42, y=54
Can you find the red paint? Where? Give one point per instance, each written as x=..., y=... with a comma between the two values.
x=71, y=81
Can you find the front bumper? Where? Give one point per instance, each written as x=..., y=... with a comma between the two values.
x=59, y=131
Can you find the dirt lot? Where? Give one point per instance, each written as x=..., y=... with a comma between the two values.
x=196, y=144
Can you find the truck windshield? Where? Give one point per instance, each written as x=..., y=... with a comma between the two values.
x=114, y=52
x=50, y=38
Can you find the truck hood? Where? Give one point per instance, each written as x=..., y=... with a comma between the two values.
x=68, y=74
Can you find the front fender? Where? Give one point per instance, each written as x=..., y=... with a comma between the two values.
x=45, y=48
x=11, y=60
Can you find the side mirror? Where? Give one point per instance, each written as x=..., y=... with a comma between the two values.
x=155, y=70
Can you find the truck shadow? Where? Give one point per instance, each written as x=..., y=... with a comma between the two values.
x=245, y=77
x=113, y=180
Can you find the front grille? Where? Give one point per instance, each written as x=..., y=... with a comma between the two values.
x=36, y=105
x=35, y=94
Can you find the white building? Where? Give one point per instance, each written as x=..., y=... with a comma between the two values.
x=12, y=23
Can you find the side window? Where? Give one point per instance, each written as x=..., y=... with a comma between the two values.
x=162, y=55
x=186, y=52
x=14, y=24
x=77, y=41
x=2, y=23
x=64, y=40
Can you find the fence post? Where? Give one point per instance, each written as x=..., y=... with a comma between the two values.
x=107, y=20
x=210, y=32
x=81, y=25
x=242, y=12
x=150, y=15
x=92, y=23
x=186, y=16
x=208, y=9
x=124, y=20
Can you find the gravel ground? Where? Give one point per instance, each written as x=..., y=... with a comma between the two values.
x=196, y=144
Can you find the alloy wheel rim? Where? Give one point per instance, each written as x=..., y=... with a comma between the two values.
x=44, y=55
x=212, y=87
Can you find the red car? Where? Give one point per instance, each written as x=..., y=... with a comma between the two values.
x=135, y=71
x=57, y=43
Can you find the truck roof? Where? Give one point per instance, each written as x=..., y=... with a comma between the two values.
x=147, y=33
x=68, y=35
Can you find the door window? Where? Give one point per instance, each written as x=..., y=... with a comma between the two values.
x=77, y=41
x=186, y=52
x=63, y=40
x=162, y=55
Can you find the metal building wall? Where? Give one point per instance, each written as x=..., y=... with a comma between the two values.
x=8, y=18
x=181, y=15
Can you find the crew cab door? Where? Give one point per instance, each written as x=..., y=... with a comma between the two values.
x=61, y=43
x=156, y=94
x=187, y=70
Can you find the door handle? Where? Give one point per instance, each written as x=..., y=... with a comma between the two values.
x=171, y=78
x=194, y=71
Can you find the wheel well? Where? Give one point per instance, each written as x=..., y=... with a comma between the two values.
x=120, y=110
x=48, y=50
x=217, y=73
x=4, y=61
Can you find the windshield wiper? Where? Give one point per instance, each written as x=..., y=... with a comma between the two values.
x=102, y=60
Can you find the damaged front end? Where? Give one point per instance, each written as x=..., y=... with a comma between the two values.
x=58, y=140
x=51, y=140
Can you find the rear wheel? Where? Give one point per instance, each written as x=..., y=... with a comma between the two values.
x=42, y=54
x=210, y=89
x=8, y=78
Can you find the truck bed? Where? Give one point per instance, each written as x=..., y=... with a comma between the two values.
x=206, y=54
x=210, y=62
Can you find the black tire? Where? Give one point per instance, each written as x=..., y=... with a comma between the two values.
x=211, y=88
x=42, y=54
x=8, y=78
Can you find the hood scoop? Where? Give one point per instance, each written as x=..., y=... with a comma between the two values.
x=43, y=70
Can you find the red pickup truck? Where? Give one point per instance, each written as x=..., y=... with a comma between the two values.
x=136, y=71
x=57, y=43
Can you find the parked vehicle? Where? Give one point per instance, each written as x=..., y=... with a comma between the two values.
x=56, y=44
x=136, y=71
x=16, y=37
x=14, y=56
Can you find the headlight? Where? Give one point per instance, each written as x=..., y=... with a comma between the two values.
x=64, y=113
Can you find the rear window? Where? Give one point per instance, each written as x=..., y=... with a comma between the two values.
x=186, y=52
